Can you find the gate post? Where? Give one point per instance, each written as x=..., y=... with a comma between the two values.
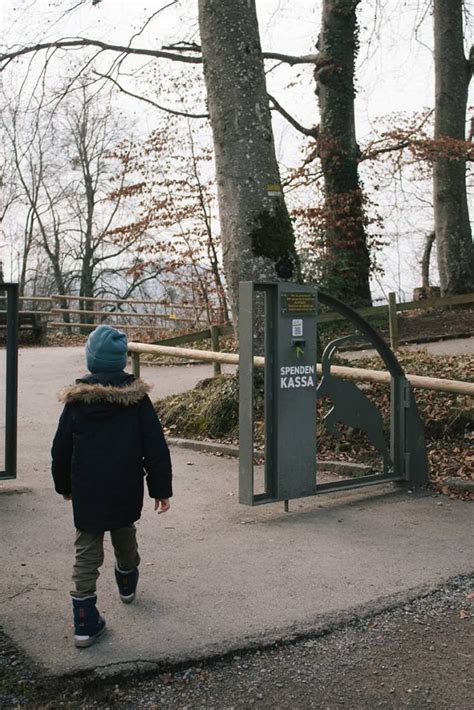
x=290, y=391
x=11, y=397
x=407, y=438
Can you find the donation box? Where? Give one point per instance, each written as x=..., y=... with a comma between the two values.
x=288, y=318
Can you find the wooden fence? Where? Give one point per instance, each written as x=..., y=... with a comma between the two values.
x=128, y=314
x=392, y=308
x=168, y=316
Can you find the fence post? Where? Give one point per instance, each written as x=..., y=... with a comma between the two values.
x=136, y=364
x=392, y=320
x=215, y=346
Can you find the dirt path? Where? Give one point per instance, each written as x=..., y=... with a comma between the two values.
x=460, y=346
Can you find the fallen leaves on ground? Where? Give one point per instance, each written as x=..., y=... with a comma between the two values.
x=210, y=411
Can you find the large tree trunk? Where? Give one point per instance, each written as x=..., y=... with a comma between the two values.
x=257, y=236
x=346, y=264
x=452, y=74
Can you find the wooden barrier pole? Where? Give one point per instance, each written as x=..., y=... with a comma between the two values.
x=176, y=306
x=121, y=314
x=92, y=326
x=347, y=373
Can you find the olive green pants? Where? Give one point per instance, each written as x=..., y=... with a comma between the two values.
x=90, y=556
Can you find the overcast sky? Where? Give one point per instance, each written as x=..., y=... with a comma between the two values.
x=394, y=66
x=395, y=60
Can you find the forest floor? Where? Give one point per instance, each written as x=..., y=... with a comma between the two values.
x=418, y=325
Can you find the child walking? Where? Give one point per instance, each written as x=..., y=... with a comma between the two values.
x=109, y=438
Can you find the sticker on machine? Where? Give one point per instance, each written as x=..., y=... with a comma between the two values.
x=297, y=327
x=296, y=376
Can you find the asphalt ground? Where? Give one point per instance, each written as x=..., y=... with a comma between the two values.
x=217, y=578
x=418, y=655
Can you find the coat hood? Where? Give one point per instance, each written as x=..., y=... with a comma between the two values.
x=125, y=394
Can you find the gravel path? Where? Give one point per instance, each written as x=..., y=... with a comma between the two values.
x=416, y=656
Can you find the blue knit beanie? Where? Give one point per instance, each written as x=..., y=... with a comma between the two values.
x=106, y=350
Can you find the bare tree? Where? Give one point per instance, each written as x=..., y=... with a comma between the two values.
x=38, y=197
x=64, y=168
x=256, y=232
x=171, y=195
x=258, y=241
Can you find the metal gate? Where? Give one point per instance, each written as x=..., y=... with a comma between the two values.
x=291, y=391
x=9, y=324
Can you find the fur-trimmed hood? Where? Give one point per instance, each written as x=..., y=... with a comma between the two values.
x=95, y=393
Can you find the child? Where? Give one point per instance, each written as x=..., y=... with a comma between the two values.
x=109, y=437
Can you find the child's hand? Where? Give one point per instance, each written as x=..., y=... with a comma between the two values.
x=162, y=505
x=67, y=496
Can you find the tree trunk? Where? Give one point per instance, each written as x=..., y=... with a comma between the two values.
x=27, y=245
x=451, y=216
x=425, y=260
x=346, y=266
x=257, y=236
x=86, y=289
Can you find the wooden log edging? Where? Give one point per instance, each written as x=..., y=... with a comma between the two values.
x=358, y=374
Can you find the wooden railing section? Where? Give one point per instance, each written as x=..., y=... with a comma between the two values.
x=163, y=315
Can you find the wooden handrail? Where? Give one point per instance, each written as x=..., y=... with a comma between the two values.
x=348, y=373
x=34, y=313
x=184, y=306
x=121, y=314
x=92, y=326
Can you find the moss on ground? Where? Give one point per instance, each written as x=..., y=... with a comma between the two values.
x=209, y=410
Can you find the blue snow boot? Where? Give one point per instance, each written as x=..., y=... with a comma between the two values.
x=88, y=623
x=127, y=581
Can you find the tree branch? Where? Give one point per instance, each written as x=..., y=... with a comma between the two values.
x=149, y=101
x=7, y=57
x=150, y=19
x=285, y=58
x=370, y=152
x=290, y=59
x=311, y=132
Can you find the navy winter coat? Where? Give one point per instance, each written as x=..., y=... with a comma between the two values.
x=109, y=438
